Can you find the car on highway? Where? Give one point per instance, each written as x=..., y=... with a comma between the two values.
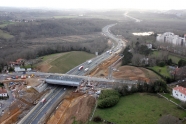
x=80, y=68
x=86, y=69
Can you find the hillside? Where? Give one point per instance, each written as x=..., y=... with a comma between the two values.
x=63, y=62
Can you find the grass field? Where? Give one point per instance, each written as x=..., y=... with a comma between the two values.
x=5, y=35
x=164, y=70
x=63, y=62
x=168, y=95
x=174, y=58
x=5, y=24
x=139, y=108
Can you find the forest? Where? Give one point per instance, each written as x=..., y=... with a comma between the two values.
x=23, y=46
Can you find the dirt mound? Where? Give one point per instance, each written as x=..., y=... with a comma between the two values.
x=102, y=69
x=76, y=107
x=134, y=73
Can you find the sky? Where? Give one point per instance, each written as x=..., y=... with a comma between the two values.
x=97, y=4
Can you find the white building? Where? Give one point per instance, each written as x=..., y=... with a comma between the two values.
x=169, y=37
x=3, y=92
x=179, y=92
x=149, y=46
x=18, y=69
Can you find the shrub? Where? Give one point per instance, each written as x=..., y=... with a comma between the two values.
x=108, y=98
x=108, y=102
x=97, y=119
x=161, y=64
x=183, y=104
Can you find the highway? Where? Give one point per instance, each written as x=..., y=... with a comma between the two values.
x=39, y=110
x=97, y=60
x=137, y=20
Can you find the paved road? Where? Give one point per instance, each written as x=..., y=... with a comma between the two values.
x=44, y=109
x=137, y=20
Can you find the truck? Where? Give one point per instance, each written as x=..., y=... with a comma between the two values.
x=90, y=61
x=80, y=68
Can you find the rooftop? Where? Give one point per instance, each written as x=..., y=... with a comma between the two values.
x=180, y=89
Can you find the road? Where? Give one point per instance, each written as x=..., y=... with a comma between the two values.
x=137, y=20
x=39, y=110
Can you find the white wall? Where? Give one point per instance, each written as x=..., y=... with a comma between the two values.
x=178, y=95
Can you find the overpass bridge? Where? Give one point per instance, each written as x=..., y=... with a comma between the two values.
x=75, y=80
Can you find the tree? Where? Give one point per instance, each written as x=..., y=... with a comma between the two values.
x=108, y=98
x=181, y=63
x=11, y=69
x=169, y=62
x=127, y=56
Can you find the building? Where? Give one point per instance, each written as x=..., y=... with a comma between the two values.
x=169, y=37
x=18, y=62
x=149, y=46
x=179, y=92
x=3, y=92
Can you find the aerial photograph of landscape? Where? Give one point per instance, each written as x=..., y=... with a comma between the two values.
x=92, y=62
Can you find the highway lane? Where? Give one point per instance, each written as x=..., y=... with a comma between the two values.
x=38, y=107
x=44, y=110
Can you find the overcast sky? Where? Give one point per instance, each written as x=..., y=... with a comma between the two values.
x=98, y=4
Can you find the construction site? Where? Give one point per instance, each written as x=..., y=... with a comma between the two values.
x=78, y=104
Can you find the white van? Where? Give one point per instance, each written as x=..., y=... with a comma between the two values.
x=86, y=69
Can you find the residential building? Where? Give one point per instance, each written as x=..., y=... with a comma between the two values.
x=3, y=92
x=18, y=62
x=179, y=92
x=149, y=46
x=169, y=37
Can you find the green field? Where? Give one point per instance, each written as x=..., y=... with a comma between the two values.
x=164, y=70
x=63, y=62
x=5, y=24
x=5, y=35
x=168, y=95
x=139, y=108
x=174, y=58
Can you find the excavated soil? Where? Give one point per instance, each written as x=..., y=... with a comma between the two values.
x=134, y=73
x=102, y=69
x=77, y=107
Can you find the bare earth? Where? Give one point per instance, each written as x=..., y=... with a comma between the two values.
x=134, y=73
x=76, y=107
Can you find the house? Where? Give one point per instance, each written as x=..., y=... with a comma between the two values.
x=179, y=92
x=18, y=62
x=149, y=46
x=3, y=92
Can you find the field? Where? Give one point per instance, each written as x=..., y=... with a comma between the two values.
x=139, y=108
x=174, y=58
x=63, y=62
x=5, y=24
x=5, y=35
x=162, y=70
